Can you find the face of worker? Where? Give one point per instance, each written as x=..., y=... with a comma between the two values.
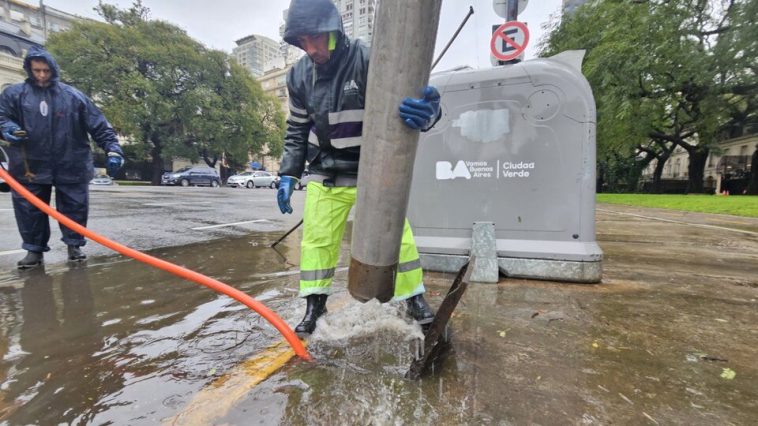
x=316, y=46
x=41, y=72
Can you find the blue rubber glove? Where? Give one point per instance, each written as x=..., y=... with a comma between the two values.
x=420, y=114
x=115, y=161
x=10, y=137
x=286, y=186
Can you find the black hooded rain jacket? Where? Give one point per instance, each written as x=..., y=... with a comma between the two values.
x=326, y=103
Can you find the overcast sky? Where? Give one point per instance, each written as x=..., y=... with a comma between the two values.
x=218, y=23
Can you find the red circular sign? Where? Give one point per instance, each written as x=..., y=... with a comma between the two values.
x=510, y=39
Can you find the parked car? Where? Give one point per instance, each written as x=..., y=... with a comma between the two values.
x=255, y=179
x=102, y=180
x=192, y=176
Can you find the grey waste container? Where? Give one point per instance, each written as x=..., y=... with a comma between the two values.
x=516, y=147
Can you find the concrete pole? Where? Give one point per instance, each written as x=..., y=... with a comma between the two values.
x=401, y=54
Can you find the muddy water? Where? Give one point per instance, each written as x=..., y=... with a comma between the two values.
x=114, y=341
x=669, y=337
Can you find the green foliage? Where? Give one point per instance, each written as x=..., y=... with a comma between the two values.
x=664, y=74
x=169, y=94
x=740, y=205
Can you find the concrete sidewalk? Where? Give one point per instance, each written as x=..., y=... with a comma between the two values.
x=668, y=337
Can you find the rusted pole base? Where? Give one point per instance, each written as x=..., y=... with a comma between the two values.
x=366, y=282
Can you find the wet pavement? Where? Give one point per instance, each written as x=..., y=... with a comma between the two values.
x=147, y=217
x=668, y=337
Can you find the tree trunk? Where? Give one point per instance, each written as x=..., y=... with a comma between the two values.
x=157, y=163
x=225, y=173
x=752, y=186
x=600, y=183
x=210, y=162
x=696, y=171
x=659, y=165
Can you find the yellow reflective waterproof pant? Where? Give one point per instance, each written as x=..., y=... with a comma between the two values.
x=324, y=219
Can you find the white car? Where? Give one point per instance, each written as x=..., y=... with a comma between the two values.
x=102, y=180
x=251, y=180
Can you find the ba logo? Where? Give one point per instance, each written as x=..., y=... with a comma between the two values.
x=445, y=170
x=350, y=86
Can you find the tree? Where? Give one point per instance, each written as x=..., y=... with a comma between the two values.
x=752, y=187
x=165, y=91
x=664, y=74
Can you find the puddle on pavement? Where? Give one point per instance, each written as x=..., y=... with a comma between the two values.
x=117, y=342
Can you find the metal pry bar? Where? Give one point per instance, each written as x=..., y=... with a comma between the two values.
x=436, y=337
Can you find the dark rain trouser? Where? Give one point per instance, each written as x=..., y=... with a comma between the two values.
x=72, y=200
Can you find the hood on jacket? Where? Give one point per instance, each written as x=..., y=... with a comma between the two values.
x=36, y=52
x=310, y=17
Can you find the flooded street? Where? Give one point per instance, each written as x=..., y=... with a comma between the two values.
x=668, y=337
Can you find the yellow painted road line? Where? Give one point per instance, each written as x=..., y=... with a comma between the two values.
x=217, y=399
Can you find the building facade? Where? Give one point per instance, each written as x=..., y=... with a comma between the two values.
x=256, y=52
x=274, y=83
x=570, y=6
x=23, y=25
x=731, y=162
x=358, y=17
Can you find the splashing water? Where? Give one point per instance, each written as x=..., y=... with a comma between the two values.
x=355, y=320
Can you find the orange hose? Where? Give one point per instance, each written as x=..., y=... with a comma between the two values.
x=177, y=270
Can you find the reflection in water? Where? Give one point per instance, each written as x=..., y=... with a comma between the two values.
x=117, y=342
x=57, y=361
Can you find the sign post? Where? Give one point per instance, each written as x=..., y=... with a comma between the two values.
x=508, y=9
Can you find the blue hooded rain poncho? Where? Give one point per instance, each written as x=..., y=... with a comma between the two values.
x=58, y=120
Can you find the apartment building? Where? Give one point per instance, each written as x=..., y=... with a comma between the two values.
x=255, y=52
x=23, y=25
x=274, y=83
x=358, y=17
x=570, y=5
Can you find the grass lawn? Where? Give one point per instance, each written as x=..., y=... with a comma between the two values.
x=742, y=205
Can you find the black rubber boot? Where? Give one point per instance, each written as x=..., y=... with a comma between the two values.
x=75, y=254
x=315, y=308
x=419, y=310
x=32, y=260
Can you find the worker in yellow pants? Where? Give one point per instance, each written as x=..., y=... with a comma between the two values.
x=325, y=216
x=327, y=101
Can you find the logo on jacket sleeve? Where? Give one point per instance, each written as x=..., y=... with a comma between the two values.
x=350, y=88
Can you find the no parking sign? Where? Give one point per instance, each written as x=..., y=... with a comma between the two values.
x=509, y=40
